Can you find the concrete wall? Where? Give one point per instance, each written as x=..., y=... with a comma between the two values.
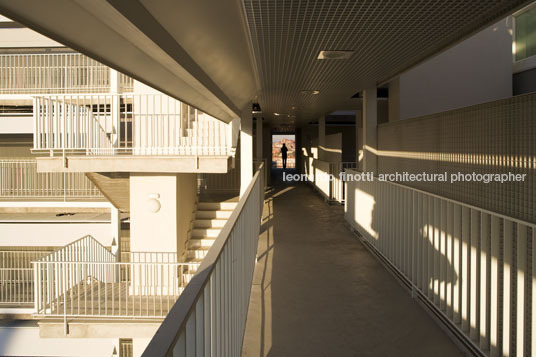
x=25, y=341
x=52, y=234
x=477, y=70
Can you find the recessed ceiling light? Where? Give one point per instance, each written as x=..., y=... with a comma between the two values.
x=334, y=55
x=276, y=114
x=308, y=91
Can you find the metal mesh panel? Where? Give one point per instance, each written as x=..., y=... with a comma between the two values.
x=496, y=137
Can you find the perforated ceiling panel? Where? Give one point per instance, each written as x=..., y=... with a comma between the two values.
x=387, y=37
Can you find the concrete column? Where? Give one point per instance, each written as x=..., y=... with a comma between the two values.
x=161, y=208
x=394, y=100
x=321, y=137
x=370, y=126
x=114, y=89
x=359, y=139
x=259, y=141
x=246, y=149
x=115, y=222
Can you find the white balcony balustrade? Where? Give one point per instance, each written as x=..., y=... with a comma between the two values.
x=83, y=279
x=19, y=179
x=56, y=73
x=119, y=124
x=16, y=276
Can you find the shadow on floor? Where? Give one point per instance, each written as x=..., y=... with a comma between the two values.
x=318, y=292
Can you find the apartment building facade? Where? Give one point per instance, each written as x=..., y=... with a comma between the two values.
x=129, y=219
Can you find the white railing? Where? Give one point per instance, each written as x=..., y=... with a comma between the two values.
x=475, y=268
x=16, y=276
x=145, y=124
x=83, y=279
x=20, y=179
x=109, y=289
x=55, y=73
x=209, y=317
x=326, y=177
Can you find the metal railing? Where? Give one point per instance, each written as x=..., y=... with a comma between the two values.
x=209, y=317
x=83, y=279
x=20, y=179
x=16, y=276
x=326, y=177
x=475, y=268
x=110, y=124
x=56, y=73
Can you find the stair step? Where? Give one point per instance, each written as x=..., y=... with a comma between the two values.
x=211, y=214
x=196, y=242
x=209, y=223
x=206, y=232
x=197, y=253
x=226, y=206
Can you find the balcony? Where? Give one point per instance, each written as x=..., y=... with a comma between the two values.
x=56, y=73
x=91, y=132
x=19, y=180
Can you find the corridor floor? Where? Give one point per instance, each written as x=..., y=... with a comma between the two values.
x=318, y=292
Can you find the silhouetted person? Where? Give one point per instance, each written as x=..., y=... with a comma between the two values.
x=284, y=155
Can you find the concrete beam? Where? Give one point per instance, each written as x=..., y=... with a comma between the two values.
x=246, y=149
x=164, y=164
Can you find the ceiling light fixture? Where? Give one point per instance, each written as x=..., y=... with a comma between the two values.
x=334, y=55
x=256, y=108
x=308, y=91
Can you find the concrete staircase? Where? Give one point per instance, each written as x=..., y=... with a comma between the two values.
x=210, y=217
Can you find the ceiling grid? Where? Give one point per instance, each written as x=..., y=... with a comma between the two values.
x=386, y=36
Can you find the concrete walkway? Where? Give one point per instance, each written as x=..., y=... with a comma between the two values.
x=318, y=292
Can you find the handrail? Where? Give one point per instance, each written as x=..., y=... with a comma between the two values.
x=174, y=337
x=468, y=264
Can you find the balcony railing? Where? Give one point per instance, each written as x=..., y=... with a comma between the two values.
x=147, y=124
x=475, y=268
x=20, y=179
x=209, y=317
x=325, y=177
x=83, y=279
x=16, y=276
x=56, y=73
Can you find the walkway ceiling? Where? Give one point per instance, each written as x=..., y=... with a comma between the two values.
x=220, y=55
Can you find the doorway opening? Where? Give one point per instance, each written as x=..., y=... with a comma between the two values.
x=288, y=141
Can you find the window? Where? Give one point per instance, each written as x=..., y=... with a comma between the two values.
x=525, y=34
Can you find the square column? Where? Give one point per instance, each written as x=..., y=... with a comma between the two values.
x=161, y=209
x=246, y=149
x=359, y=139
x=370, y=126
x=321, y=137
x=259, y=141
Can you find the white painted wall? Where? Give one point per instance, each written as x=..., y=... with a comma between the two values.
x=52, y=234
x=24, y=37
x=16, y=125
x=477, y=70
x=25, y=341
x=167, y=229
